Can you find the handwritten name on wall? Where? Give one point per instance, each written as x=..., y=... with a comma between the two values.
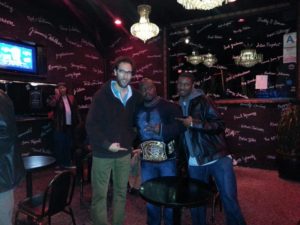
x=226, y=40
x=70, y=54
x=251, y=128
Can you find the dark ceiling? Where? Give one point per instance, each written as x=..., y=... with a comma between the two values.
x=97, y=15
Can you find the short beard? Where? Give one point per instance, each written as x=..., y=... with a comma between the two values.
x=121, y=85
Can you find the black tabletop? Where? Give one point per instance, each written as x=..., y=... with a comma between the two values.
x=175, y=192
x=37, y=162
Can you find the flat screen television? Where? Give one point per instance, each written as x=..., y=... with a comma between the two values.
x=18, y=57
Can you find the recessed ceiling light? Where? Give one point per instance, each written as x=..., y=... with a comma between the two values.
x=118, y=22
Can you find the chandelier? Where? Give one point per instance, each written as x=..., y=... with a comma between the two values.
x=201, y=4
x=144, y=30
x=207, y=59
x=194, y=59
x=248, y=58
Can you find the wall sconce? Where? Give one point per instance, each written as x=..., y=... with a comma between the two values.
x=144, y=30
x=248, y=58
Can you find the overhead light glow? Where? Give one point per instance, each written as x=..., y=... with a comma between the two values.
x=248, y=58
x=118, y=22
x=144, y=29
x=201, y=4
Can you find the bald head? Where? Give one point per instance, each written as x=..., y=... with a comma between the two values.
x=147, y=89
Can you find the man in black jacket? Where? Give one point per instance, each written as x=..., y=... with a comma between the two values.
x=11, y=164
x=110, y=132
x=206, y=150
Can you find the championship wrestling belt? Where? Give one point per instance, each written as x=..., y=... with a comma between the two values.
x=154, y=151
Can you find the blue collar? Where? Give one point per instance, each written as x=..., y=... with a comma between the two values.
x=117, y=93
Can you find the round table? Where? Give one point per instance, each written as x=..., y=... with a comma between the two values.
x=34, y=163
x=176, y=192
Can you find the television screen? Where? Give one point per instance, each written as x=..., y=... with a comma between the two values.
x=18, y=57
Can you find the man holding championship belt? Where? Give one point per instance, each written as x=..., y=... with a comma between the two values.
x=157, y=129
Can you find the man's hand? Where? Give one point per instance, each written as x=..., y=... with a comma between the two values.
x=186, y=121
x=115, y=147
x=57, y=92
x=136, y=152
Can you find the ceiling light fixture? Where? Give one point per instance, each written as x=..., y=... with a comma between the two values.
x=207, y=59
x=144, y=29
x=118, y=22
x=201, y=4
x=248, y=58
x=195, y=58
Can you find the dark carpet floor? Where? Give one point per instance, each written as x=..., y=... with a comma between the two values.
x=265, y=199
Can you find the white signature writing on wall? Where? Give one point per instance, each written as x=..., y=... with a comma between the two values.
x=69, y=29
x=49, y=37
x=7, y=22
x=73, y=75
x=87, y=43
x=5, y=5
x=57, y=67
x=63, y=54
x=39, y=19
x=73, y=43
x=244, y=115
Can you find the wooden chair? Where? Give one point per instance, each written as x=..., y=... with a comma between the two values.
x=85, y=174
x=56, y=198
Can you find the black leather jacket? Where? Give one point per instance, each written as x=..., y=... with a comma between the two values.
x=11, y=163
x=206, y=135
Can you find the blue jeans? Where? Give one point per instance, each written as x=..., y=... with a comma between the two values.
x=222, y=172
x=62, y=148
x=152, y=170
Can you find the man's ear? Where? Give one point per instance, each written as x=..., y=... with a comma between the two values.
x=115, y=72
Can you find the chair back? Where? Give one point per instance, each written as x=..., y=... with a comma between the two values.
x=59, y=193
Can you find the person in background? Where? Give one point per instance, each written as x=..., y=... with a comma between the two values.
x=11, y=164
x=82, y=153
x=109, y=127
x=66, y=118
x=206, y=150
x=157, y=129
x=134, y=180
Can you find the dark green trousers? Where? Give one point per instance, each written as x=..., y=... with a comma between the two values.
x=101, y=170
